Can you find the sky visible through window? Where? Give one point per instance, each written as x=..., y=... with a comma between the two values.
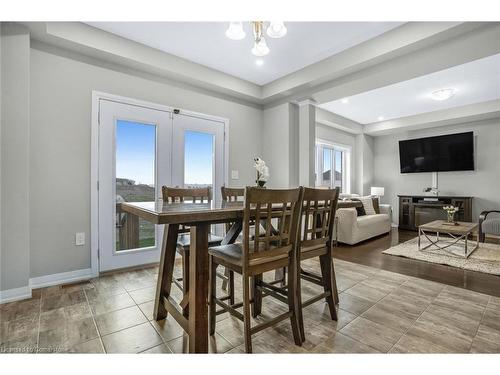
x=198, y=158
x=135, y=151
x=135, y=154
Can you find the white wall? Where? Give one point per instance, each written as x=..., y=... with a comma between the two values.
x=15, y=235
x=483, y=183
x=340, y=137
x=60, y=148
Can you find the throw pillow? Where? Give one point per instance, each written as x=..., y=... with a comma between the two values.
x=368, y=205
x=361, y=211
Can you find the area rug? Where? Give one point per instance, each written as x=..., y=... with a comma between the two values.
x=485, y=259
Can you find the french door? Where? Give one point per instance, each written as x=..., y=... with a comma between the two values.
x=140, y=150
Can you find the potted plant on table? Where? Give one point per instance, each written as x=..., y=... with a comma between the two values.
x=450, y=214
x=262, y=171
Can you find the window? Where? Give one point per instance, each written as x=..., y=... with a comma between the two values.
x=333, y=166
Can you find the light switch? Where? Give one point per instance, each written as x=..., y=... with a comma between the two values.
x=80, y=239
x=235, y=175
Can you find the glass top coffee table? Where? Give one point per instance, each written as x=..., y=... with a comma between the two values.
x=458, y=236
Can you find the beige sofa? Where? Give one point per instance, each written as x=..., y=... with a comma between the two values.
x=352, y=229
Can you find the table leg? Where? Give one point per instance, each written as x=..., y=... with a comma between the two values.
x=166, y=269
x=198, y=289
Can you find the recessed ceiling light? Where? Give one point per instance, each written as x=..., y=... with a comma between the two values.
x=259, y=62
x=380, y=118
x=442, y=94
x=344, y=100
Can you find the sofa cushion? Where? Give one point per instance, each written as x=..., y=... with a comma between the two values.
x=367, y=205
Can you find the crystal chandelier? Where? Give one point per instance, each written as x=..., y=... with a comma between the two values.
x=274, y=30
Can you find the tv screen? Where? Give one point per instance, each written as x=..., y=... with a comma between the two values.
x=454, y=152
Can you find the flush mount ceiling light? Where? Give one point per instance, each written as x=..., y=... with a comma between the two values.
x=442, y=94
x=344, y=100
x=259, y=62
x=275, y=30
x=380, y=118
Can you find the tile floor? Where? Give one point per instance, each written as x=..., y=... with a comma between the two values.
x=379, y=311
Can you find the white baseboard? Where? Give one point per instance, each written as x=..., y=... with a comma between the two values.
x=60, y=278
x=24, y=292
x=16, y=294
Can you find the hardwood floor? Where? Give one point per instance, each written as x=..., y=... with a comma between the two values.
x=369, y=253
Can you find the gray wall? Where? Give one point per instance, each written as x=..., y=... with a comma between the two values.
x=483, y=183
x=15, y=85
x=60, y=148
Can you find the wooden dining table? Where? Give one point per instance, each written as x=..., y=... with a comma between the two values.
x=199, y=217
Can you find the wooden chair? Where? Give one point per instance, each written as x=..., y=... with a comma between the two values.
x=230, y=195
x=318, y=215
x=195, y=195
x=261, y=253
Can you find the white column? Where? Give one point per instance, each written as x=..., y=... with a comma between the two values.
x=307, y=140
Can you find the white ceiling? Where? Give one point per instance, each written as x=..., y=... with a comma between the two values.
x=474, y=82
x=205, y=43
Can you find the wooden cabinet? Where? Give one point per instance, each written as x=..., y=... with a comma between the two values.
x=415, y=210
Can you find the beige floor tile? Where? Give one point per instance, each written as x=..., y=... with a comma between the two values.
x=353, y=304
x=272, y=342
x=168, y=328
x=216, y=344
x=372, y=334
x=120, y=319
x=147, y=309
x=63, y=300
x=456, y=303
x=494, y=303
x=92, y=347
x=26, y=309
x=159, y=349
x=362, y=290
x=440, y=335
x=410, y=304
x=67, y=335
x=339, y=343
x=491, y=318
x=111, y=303
x=320, y=313
x=54, y=318
x=487, y=340
x=132, y=340
x=19, y=329
x=388, y=316
x=421, y=287
x=143, y=295
x=451, y=318
x=414, y=344
x=466, y=295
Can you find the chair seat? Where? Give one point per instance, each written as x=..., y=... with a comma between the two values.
x=232, y=253
x=491, y=226
x=184, y=240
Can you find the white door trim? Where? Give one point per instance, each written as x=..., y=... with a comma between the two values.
x=94, y=159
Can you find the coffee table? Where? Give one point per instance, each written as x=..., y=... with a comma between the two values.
x=459, y=234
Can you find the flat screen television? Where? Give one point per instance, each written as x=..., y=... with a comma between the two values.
x=444, y=153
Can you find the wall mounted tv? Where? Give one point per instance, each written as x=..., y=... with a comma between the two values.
x=444, y=153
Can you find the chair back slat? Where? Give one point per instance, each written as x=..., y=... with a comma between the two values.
x=270, y=241
x=179, y=195
x=232, y=194
x=318, y=213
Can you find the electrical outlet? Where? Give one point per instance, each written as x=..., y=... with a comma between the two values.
x=80, y=239
x=235, y=175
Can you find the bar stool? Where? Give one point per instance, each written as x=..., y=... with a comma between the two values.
x=263, y=252
x=318, y=214
x=194, y=195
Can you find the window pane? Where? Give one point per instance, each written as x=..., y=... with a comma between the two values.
x=135, y=181
x=327, y=167
x=198, y=159
x=338, y=169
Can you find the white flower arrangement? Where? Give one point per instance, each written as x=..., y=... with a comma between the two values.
x=262, y=170
x=450, y=209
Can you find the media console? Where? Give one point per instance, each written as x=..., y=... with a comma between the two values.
x=415, y=210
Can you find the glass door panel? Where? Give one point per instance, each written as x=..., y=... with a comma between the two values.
x=198, y=159
x=135, y=181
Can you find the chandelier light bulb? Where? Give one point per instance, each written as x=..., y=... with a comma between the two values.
x=276, y=29
x=235, y=31
x=260, y=48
